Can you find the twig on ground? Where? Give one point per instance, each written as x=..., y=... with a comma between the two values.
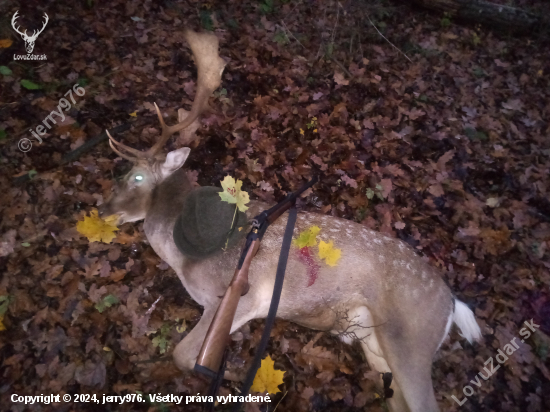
x=336, y=23
x=76, y=153
x=321, y=43
x=287, y=30
x=341, y=66
x=290, y=12
x=384, y=37
x=280, y=401
x=154, y=360
x=351, y=325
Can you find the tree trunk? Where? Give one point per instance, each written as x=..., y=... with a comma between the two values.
x=483, y=12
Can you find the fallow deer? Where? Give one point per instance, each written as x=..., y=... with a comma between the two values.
x=396, y=304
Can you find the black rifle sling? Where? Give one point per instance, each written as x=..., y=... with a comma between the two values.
x=270, y=320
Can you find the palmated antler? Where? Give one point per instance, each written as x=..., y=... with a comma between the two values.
x=210, y=68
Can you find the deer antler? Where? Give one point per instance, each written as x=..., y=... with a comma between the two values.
x=35, y=33
x=13, y=19
x=210, y=68
x=136, y=153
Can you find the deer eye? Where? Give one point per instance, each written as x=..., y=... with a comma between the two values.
x=138, y=178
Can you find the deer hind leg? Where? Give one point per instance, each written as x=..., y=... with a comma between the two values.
x=408, y=345
x=397, y=402
x=360, y=326
x=413, y=375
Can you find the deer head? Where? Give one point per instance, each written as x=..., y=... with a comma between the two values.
x=29, y=40
x=132, y=196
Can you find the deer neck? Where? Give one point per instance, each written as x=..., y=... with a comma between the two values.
x=166, y=204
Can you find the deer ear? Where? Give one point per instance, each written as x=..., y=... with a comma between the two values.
x=175, y=160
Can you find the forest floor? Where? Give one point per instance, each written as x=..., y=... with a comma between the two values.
x=427, y=130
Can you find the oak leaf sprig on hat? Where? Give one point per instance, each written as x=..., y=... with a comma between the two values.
x=232, y=193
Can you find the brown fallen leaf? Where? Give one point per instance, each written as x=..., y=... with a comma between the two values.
x=318, y=356
x=5, y=43
x=91, y=374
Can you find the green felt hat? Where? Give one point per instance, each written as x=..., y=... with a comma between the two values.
x=204, y=225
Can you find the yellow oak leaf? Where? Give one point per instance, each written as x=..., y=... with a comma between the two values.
x=232, y=193
x=267, y=378
x=308, y=237
x=328, y=252
x=97, y=229
x=5, y=43
x=134, y=114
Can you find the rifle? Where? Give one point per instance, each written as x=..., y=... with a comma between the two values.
x=213, y=348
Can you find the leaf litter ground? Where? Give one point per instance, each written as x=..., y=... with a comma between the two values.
x=449, y=153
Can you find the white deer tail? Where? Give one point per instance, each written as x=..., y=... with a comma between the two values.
x=466, y=322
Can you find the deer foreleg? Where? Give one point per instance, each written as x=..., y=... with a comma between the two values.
x=186, y=352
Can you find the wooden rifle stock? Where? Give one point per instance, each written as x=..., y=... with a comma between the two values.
x=211, y=353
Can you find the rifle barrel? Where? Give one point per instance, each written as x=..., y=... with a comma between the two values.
x=272, y=214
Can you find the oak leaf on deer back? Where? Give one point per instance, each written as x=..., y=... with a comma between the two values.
x=328, y=252
x=308, y=237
